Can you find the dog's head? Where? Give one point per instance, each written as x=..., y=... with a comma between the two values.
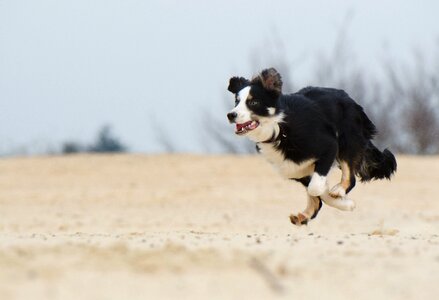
x=255, y=111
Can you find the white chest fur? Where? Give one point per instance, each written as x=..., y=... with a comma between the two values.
x=287, y=168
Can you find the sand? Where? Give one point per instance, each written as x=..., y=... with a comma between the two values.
x=209, y=227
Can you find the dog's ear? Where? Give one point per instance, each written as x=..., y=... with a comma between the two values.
x=237, y=83
x=270, y=80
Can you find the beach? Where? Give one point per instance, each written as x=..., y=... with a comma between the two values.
x=132, y=226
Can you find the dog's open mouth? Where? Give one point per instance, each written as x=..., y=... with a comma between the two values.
x=246, y=127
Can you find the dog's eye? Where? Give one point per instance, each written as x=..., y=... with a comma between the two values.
x=236, y=101
x=252, y=102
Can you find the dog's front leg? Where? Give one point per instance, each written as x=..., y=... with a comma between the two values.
x=312, y=208
x=318, y=184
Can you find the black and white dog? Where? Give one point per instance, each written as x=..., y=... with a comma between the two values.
x=305, y=134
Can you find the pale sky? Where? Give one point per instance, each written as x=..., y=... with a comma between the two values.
x=68, y=67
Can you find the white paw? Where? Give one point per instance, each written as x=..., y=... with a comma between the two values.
x=347, y=204
x=317, y=186
x=341, y=203
x=337, y=191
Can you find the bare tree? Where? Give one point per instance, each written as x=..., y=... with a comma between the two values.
x=414, y=93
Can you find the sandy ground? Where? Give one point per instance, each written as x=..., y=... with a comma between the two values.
x=209, y=227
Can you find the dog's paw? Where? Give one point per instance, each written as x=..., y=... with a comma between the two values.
x=337, y=191
x=348, y=205
x=299, y=219
x=342, y=203
x=317, y=186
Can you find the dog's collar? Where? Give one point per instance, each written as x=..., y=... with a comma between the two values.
x=275, y=138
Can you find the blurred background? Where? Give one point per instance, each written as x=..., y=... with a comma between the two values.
x=151, y=76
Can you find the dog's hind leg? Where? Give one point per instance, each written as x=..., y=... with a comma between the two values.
x=312, y=208
x=347, y=181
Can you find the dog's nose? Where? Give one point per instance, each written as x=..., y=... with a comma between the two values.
x=232, y=116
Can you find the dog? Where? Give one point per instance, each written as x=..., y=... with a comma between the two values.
x=304, y=134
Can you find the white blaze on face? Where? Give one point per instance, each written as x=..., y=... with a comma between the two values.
x=242, y=111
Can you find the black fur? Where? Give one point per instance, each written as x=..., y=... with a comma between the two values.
x=317, y=211
x=304, y=180
x=237, y=83
x=263, y=100
x=376, y=164
x=326, y=123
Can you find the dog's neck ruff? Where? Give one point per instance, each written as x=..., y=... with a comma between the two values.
x=275, y=137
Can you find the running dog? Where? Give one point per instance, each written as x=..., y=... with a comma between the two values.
x=304, y=134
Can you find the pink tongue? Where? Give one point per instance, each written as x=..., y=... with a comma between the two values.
x=240, y=126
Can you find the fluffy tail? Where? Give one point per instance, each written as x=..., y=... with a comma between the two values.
x=376, y=164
